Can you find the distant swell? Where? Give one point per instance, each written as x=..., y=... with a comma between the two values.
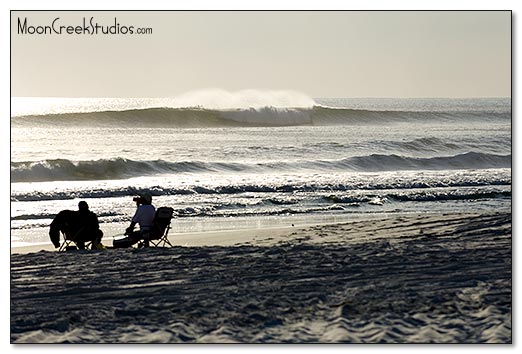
x=119, y=168
x=267, y=116
x=470, y=160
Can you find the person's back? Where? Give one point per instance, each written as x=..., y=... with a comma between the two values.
x=65, y=221
x=144, y=216
x=78, y=226
x=88, y=220
x=90, y=228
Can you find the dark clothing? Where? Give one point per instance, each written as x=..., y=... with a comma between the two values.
x=90, y=227
x=131, y=239
x=64, y=221
x=78, y=226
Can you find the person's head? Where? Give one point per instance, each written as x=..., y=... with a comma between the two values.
x=83, y=206
x=143, y=198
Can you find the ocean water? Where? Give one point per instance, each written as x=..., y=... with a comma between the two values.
x=259, y=160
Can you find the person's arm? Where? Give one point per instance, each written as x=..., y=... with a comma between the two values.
x=95, y=221
x=130, y=228
x=134, y=221
x=54, y=235
x=54, y=230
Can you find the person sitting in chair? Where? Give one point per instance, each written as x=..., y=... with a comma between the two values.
x=79, y=226
x=89, y=227
x=144, y=217
x=66, y=222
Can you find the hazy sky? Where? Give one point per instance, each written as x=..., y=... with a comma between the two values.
x=322, y=54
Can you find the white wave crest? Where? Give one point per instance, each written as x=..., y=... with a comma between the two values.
x=243, y=99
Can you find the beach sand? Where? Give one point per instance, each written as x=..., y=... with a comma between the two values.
x=417, y=278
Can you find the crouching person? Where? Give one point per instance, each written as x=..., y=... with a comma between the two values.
x=143, y=217
x=79, y=226
x=64, y=221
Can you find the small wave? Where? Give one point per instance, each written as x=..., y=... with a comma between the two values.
x=427, y=145
x=346, y=116
x=362, y=185
x=430, y=196
x=120, y=168
x=442, y=196
x=279, y=201
x=470, y=160
x=437, y=145
x=45, y=216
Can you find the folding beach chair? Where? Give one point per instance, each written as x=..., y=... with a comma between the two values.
x=158, y=236
x=69, y=242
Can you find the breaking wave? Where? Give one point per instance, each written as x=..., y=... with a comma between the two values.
x=120, y=168
x=278, y=188
x=197, y=117
x=343, y=201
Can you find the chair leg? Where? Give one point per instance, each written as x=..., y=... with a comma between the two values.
x=166, y=237
x=64, y=245
x=162, y=242
x=67, y=243
x=166, y=241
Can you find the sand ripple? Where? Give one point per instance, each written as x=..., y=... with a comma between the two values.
x=450, y=283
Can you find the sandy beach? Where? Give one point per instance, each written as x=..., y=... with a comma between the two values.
x=415, y=278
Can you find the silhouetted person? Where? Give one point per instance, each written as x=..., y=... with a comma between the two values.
x=89, y=226
x=143, y=217
x=80, y=226
x=65, y=221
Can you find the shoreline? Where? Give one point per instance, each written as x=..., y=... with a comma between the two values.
x=264, y=235
x=229, y=237
x=196, y=239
